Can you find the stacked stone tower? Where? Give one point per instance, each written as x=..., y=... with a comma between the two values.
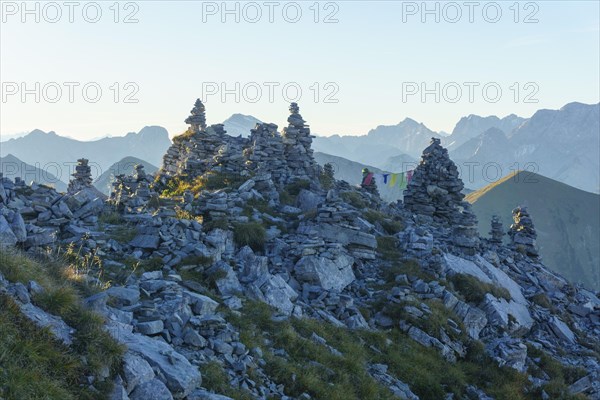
x=522, y=233
x=265, y=153
x=497, y=231
x=82, y=178
x=297, y=141
x=197, y=119
x=435, y=194
x=201, y=149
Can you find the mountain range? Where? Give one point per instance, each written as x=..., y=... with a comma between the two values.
x=48, y=150
x=561, y=144
x=11, y=167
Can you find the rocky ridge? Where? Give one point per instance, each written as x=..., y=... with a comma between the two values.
x=338, y=255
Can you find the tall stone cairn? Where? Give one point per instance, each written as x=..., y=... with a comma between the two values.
x=297, y=147
x=82, y=178
x=265, y=153
x=197, y=119
x=522, y=232
x=435, y=193
x=497, y=231
x=193, y=152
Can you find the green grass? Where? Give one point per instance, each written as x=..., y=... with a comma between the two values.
x=251, y=234
x=123, y=233
x=210, y=181
x=110, y=218
x=40, y=368
x=355, y=199
x=542, y=300
x=296, y=187
x=474, y=291
x=215, y=379
x=390, y=226
x=311, y=368
x=387, y=247
x=220, y=223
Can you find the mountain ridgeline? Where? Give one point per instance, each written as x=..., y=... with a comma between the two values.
x=244, y=270
x=567, y=221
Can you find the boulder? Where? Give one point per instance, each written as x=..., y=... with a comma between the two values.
x=561, y=330
x=56, y=325
x=7, y=236
x=330, y=274
x=136, y=370
x=151, y=390
x=307, y=200
x=150, y=242
x=279, y=294
x=181, y=376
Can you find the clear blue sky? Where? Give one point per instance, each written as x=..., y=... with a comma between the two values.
x=370, y=53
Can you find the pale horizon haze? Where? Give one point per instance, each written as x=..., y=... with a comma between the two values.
x=364, y=61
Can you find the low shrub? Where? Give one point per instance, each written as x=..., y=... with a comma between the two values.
x=474, y=291
x=250, y=234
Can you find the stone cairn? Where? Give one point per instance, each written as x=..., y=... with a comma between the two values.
x=82, y=178
x=435, y=194
x=522, y=233
x=497, y=231
x=275, y=159
x=132, y=192
x=197, y=119
x=297, y=141
x=265, y=155
x=369, y=187
x=193, y=153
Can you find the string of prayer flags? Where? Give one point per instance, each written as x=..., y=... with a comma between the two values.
x=401, y=179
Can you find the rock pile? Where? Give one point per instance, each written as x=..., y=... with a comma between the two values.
x=200, y=148
x=82, y=178
x=435, y=194
x=522, y=233
x=132, y=193
x=265, y=155
x=197, y=119
x=298, y=152
x=497, y=231
x=274, y=159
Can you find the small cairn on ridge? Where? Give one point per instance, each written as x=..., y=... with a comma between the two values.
x=435, y=194
x=197, y=119
x=297, y=141
x=497, y=231
x=82, y=178
x=522, y=233
x=132, y=192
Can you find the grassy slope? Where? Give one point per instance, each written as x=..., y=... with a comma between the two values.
x=567, y=221
x=33, y=365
